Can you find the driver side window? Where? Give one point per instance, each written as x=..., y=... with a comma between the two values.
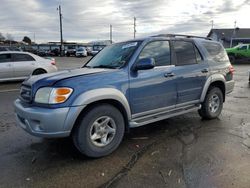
x=243, y=47
x=159, y=50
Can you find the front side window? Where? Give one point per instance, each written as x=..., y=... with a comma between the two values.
x=5, y=58
x=23, y=57
x=185, y=53
x=243, y=47
x=159, y=50
x=114, y=56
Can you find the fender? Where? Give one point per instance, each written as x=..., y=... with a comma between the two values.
x=102, y=94
x=212, y=78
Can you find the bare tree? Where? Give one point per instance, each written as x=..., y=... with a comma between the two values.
x=27, y=40
x=9, y=37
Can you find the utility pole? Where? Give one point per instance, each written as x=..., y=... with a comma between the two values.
x=34, y=37
x=134, y=26
x=110, y=33
x=61, y=36
x=212, y=24
x=233, y=35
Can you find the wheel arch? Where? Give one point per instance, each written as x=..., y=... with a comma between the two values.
x=216, y=80
x=96, y=97
x=39, y=68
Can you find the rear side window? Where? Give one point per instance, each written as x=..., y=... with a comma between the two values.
x=23, y=57
x=5, y=58
x=159, y=50
x=216, y=51
x=185, y=53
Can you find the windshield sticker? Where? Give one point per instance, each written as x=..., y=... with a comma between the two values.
x=129, y=45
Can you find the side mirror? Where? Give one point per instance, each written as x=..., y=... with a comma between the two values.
x=144, y=64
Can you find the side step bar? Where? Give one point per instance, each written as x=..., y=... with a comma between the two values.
x=137, y=122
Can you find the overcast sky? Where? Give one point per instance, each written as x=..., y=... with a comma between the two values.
x=87, y=20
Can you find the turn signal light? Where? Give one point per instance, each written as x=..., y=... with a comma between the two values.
x=63, y=91
x=60, y=99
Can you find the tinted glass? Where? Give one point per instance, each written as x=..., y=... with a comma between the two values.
x=158, y=50
x=216, y=51
x=3, y=49
x=243, y=48
x=23, y=57
x=185, y=53
x=114, y=56
x=5, y=58
x=198, y=55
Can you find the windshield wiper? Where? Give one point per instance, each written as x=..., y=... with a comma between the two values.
x=105, y=66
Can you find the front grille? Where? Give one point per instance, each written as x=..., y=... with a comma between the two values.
x=25, y=93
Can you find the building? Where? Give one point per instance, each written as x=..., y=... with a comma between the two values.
x=230, y=37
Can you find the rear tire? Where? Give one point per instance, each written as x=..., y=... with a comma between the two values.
x=100, y=131
x=39, y=71
x=212, y=106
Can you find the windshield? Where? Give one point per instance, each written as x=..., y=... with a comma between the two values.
x=113, y=56
x=80, y=49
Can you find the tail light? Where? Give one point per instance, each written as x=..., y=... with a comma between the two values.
x=53, y=62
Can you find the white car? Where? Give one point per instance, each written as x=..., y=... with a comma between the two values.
x=16, y=65
x=81, y=52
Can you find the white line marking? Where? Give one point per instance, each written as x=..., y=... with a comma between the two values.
x=9, y=90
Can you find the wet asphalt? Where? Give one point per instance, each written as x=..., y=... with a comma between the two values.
x=184, y=151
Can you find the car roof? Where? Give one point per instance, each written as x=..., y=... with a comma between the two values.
x=177, y=37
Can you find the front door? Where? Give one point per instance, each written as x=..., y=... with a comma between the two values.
x=153, y=89
x=244, y=50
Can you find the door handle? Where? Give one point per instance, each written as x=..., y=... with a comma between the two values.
x=204, y=71
x=169, y=74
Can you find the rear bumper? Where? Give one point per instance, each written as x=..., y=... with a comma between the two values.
x=51, y=69
x=44, y=122
x=229, y=86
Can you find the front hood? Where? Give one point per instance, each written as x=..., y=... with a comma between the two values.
x=229, y=49
x=51, y=78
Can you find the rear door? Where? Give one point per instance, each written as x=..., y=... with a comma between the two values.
x=6, y=68
x=191, y=72
x=24, y=64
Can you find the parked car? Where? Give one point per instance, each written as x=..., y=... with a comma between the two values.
x=126, y=85
x=96, y=49
x=9, y=48
x=70, y=52
x=20, y=65
x=89, y=49
x=81, y=52
x=241, y=51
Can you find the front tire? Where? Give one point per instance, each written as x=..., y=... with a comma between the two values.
x=212, y=106
x=100, y=131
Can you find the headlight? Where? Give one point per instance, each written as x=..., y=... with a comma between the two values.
x=48, y=95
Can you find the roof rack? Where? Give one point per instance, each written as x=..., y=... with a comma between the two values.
x=179, y=35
